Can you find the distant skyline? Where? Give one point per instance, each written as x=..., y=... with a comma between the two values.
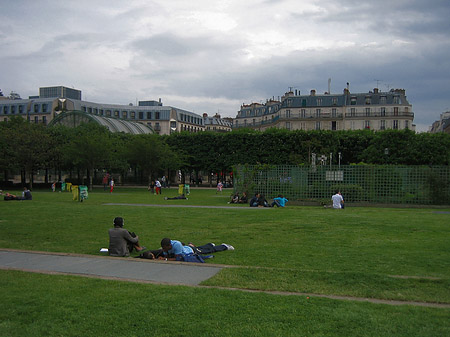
x=213, y=56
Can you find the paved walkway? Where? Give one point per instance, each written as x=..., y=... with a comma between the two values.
x=187, y=206
x=145, y=271
x=130, y=269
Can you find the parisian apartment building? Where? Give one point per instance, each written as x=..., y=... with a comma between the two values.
x=374, y=110
x=62, y=105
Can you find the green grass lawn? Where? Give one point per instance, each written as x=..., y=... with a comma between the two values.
x=398, y=254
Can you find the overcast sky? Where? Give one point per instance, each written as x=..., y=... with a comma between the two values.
x=212, y=56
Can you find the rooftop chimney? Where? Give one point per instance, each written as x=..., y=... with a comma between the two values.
x=313, y=92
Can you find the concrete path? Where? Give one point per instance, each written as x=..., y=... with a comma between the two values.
x=131, y=269
x=186, y=206
x=146, y=271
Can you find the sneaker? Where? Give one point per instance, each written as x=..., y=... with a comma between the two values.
x=229, y=247
x=165, y=198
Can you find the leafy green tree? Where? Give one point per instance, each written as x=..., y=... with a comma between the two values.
x=89, y=148
x=30, y=143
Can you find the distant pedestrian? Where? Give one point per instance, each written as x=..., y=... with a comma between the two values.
x=219, y=187
x=111, y=185
x=158, y=186
x=105, y=182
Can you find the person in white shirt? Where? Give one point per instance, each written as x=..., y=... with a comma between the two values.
x=338, y=201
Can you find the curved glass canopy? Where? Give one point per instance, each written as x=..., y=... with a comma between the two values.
x=75, y=118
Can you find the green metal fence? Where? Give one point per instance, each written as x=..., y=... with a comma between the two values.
x=358, y=183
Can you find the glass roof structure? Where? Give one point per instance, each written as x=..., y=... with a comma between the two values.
x=75, y=118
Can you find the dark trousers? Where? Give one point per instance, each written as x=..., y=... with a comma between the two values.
x=209, y=248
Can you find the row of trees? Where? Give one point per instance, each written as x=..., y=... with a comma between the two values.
x=28, y=147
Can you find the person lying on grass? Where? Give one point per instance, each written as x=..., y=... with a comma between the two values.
x=174, y=250
x=121, y=241
x=183, y=197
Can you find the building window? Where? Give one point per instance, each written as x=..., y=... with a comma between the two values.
x=13, y=109
x=367, y=124
x=149, y=115
x=303, y=102
x=352, y=125
x=383, y=111
x=21, y=109
x=156, y=114
x=334, y=101
x=5, y=110
x=333, y=125
x=36, y=108
x=44, y=120
x=95, y=111
x=90, y=110
x=353, y=101
x=383, y=100
x=36, y=119
x=396, y=111
x=368, y=99
x=395, y=125
x=254, y=121
x=303, y=113
x=367, y=111
x=317, y=125
x=333, y=112
x=319, y=102
x=318, y=113
x=352, y=112
x=288, y=125
x=288, y=113
x=132, y=115
x=141, y=114
x=406, y=109
x=382, y=125
x=108, y=113
x=396, y=99
x=406, y=124
x=102, y=112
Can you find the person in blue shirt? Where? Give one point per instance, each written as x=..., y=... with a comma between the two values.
x=173, y=250
x=279, y=201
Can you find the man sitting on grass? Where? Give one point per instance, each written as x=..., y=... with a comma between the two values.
x=121, y=241
x=279, y=201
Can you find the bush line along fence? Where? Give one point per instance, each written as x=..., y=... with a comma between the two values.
x=364, y=184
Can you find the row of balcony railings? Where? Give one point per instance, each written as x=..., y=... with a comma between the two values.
x=313, y=116
x=359, y=184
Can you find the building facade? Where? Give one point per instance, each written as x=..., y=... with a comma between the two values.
x=43, y=109
x=374, y=110
x=442, y=125
x=217, y=124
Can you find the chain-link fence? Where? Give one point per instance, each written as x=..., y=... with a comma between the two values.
x=358, y=183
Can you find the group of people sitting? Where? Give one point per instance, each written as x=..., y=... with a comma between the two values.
x=122, y=243
x=26, y=195
x=238, y=199
x=260, y=201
